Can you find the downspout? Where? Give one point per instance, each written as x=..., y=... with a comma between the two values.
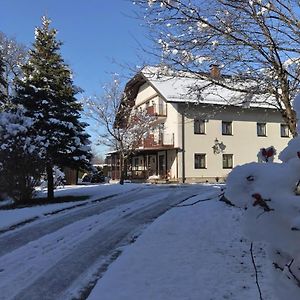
x=177, y=164
x=166, y=157
x=183, y=147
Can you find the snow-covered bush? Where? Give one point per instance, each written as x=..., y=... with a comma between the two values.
x=272, y=211
x=58, y=179
x=20, y=155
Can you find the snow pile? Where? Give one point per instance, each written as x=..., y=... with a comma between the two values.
x=267, y=192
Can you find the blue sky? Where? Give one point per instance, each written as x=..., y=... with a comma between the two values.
x=95, y=33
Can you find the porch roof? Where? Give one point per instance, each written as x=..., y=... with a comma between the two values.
x=153, y=150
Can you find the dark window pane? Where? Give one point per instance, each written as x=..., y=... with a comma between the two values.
x=261, y=129
x=227, y=161
x=199, y=161
x=199, y=126
x=284, y=130
x=226, y=128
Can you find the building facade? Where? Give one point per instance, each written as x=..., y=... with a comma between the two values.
x=197, y=140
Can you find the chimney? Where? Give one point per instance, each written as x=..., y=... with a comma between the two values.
x=215, y=71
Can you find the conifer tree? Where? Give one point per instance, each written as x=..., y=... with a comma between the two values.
x=20, y=154
x=48, y=94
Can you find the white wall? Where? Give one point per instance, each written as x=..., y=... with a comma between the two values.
x=145, y=93
x=244, y=144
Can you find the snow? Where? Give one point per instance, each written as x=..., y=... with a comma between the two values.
x=40, y=255
x=290, y=151
x=268, y=193
x=181, y=88
x=194, y=252
x=13, y=217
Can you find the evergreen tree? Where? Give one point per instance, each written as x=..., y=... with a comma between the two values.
x=48, y=94
x=20, y=155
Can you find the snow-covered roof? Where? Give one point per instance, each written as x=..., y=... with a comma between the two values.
x=186, y=88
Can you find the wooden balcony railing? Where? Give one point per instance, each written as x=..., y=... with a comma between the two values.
x=157, y=110
x=154, y=141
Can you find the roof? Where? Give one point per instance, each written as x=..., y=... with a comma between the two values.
x=185, y=88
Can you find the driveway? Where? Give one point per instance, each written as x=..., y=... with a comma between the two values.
x=62, y=256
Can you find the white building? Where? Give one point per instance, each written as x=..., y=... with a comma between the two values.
x=198, y=140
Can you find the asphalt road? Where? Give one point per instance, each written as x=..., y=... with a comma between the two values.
x=62, y=256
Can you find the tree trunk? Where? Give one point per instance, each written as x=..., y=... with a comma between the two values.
x=49, y=170
x=291, y=120
x=122, y=169
x=289, y=114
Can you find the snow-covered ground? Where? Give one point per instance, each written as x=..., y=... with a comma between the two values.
x=12, y=217
x=193, y=252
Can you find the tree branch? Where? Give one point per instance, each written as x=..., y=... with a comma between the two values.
x=255, y=270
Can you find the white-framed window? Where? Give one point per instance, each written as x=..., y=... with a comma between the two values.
x=284, y=130
x=227, y=161
x=199, y=161
x=226, y=128
x=199, y=126
x=261, y=129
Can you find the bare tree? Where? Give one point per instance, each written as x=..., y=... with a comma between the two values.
x=14, y=55
x=97, y=157
x=257, y=42
x=123, y=125
x=2, y=81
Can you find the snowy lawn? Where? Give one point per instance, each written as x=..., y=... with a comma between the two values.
x=190, y=253
x=12, y=217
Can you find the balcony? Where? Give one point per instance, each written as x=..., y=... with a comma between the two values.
x=157, y=110
x=161, y=140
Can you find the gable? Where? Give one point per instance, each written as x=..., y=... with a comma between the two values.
x=146, y=92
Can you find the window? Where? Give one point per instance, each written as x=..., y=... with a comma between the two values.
x=226, y=128
x=284, y=130
x=200, y=161
x=227, y=161
x=199, y=126
x=261, y=129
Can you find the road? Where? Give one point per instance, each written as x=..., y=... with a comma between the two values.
x=63, y=255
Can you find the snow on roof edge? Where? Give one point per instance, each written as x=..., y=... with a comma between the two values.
x=181, y=89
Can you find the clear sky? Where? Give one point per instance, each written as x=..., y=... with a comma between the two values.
x=100, y=36
x=95, y=33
